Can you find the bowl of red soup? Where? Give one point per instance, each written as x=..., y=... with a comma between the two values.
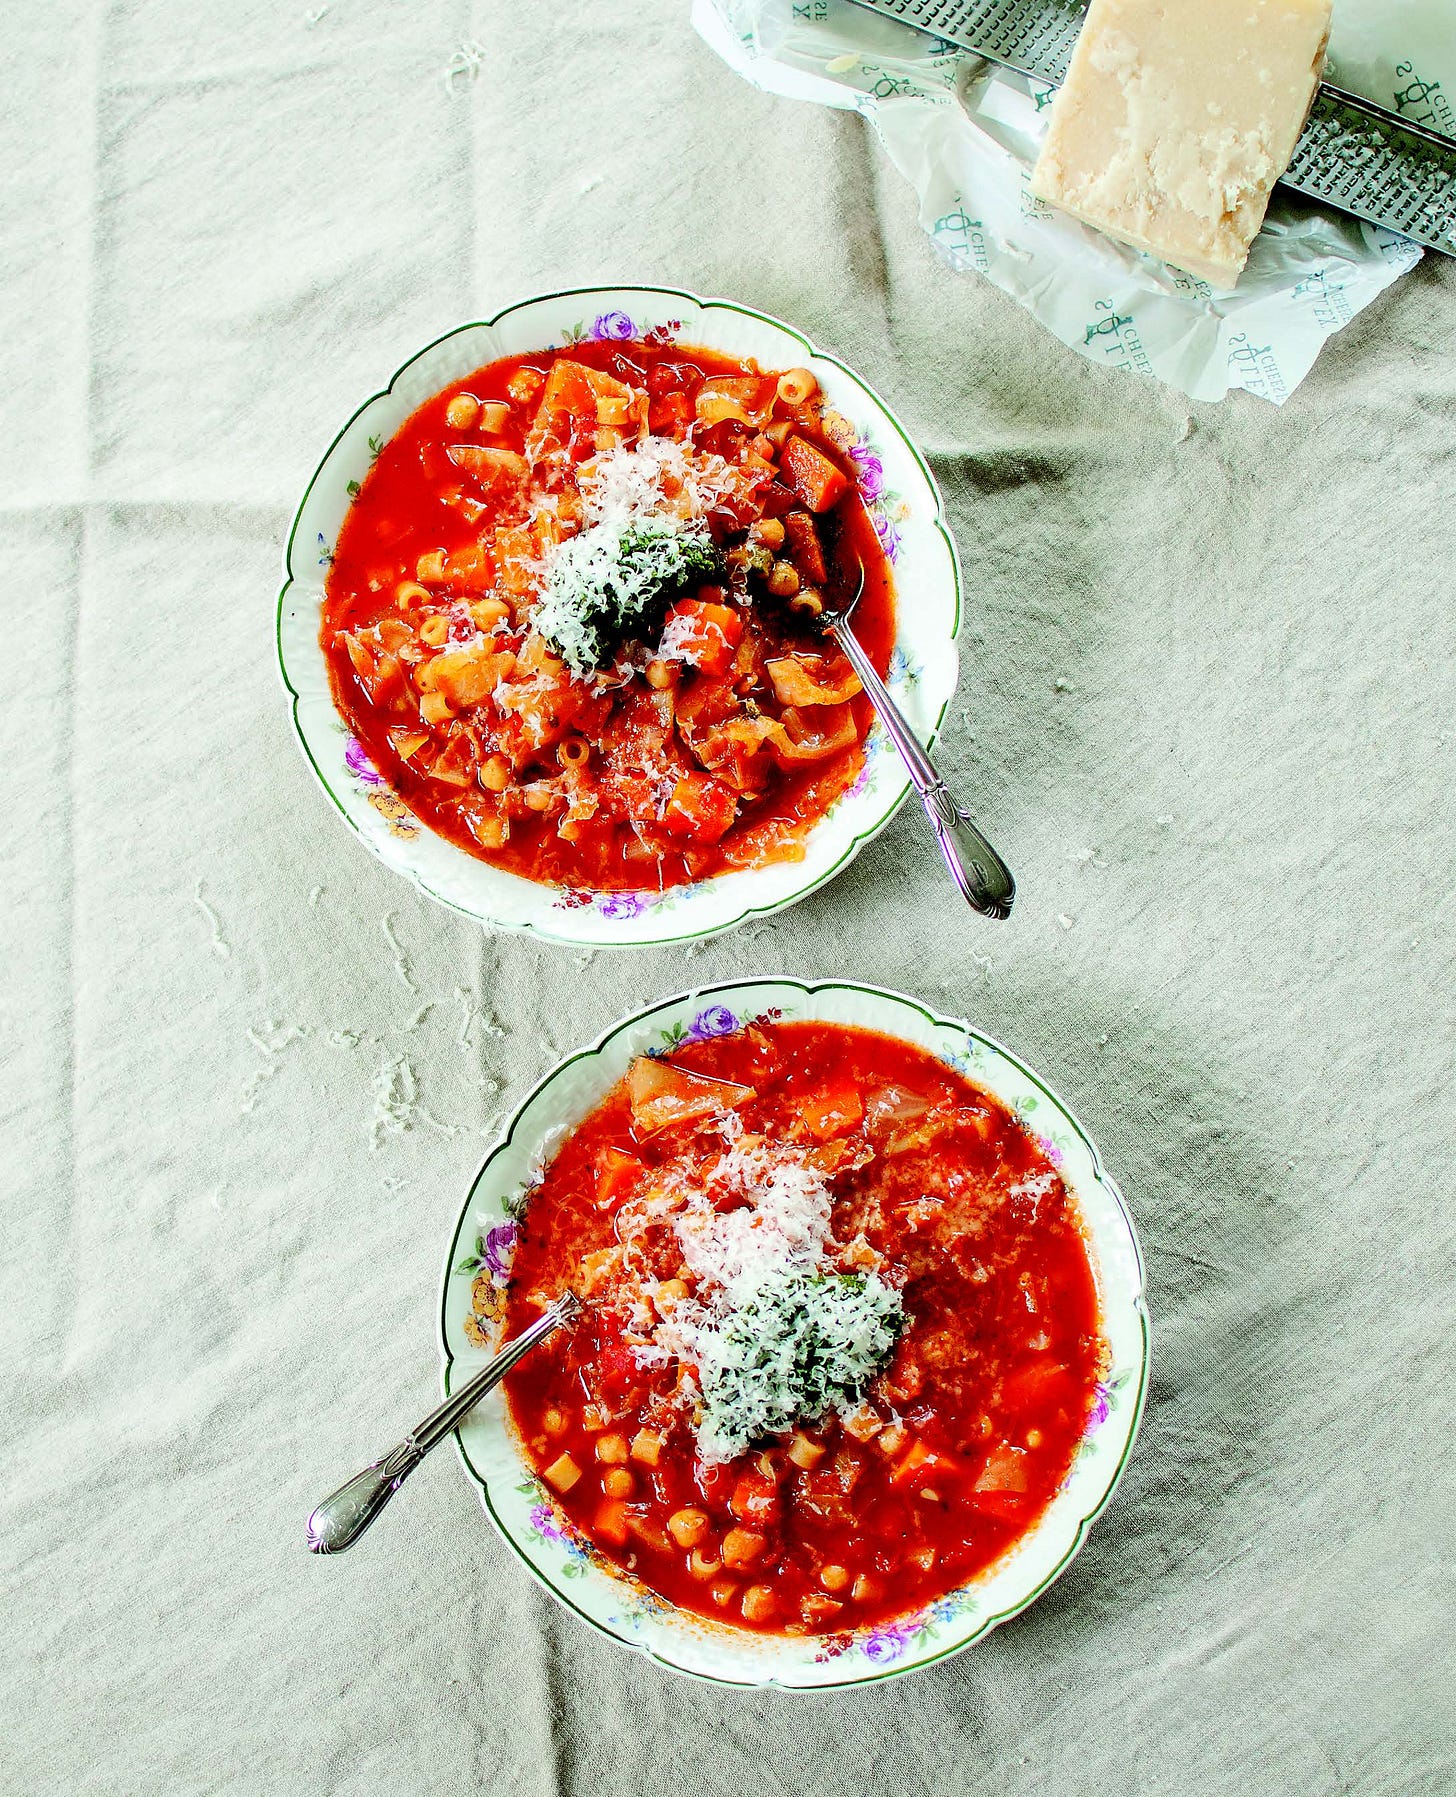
x=552, y=621
x=864, y=1345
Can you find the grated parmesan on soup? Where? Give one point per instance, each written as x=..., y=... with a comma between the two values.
x=775, y=1331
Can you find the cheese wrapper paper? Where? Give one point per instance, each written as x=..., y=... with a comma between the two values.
x=965, y=134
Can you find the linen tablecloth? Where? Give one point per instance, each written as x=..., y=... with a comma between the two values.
x=1207, y=709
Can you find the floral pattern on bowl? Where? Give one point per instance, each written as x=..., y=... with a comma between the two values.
x=522, y=1508
x=903, y=502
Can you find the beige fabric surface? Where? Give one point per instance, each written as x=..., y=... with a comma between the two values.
x=1206, y=708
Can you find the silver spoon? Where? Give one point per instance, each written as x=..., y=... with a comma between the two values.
x=342, y=1518
x=982, y=876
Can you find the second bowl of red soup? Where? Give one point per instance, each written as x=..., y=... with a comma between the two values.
x=857, y=1309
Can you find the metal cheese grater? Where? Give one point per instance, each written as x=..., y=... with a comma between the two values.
x=1351, y=154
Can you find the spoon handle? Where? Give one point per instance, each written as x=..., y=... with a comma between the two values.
x=342, y=1517
x=982, y=876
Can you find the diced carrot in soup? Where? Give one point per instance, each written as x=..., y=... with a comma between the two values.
x=922, y=1466
x=470, y=567
x=617, y=1173
x=812, y=476
x=755, y=1499
x=916, y=1460
x=833, y=1112
x=700, y=806
x=703, y=633
x=612, y=1521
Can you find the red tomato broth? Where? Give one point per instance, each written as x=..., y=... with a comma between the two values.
x=988, y=1391
x=414, y=503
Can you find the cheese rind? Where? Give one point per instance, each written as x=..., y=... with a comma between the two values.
x=1176, y=119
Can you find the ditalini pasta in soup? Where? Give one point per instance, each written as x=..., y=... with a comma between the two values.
x=842, y=1333
x=572, y=615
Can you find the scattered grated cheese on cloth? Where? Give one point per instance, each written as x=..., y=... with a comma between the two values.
x=774, y=1333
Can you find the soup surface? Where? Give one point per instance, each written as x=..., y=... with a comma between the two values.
x=572, y=615
x=842, y=1339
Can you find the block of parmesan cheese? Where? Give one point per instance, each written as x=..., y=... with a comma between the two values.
x=1176, y=119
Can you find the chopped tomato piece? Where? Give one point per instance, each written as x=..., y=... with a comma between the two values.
x=647, y=1529
x=832, y=1113
x=1005, y=1506
x=703, y=633
x=804, y=548
x=700, y=806
x=380, y=675
x=407, y=742
x=669, y=415
x=662, y=1095
x=812, y=476
x=713, y=1481
x=755, y=1499
x=1004, y=1472
x=1037, y=1386
x=456, y=766
x=617, y=1173
x=617, y=1374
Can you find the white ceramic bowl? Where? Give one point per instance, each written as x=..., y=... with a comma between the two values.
x=903, y=501
x=522, y=1508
